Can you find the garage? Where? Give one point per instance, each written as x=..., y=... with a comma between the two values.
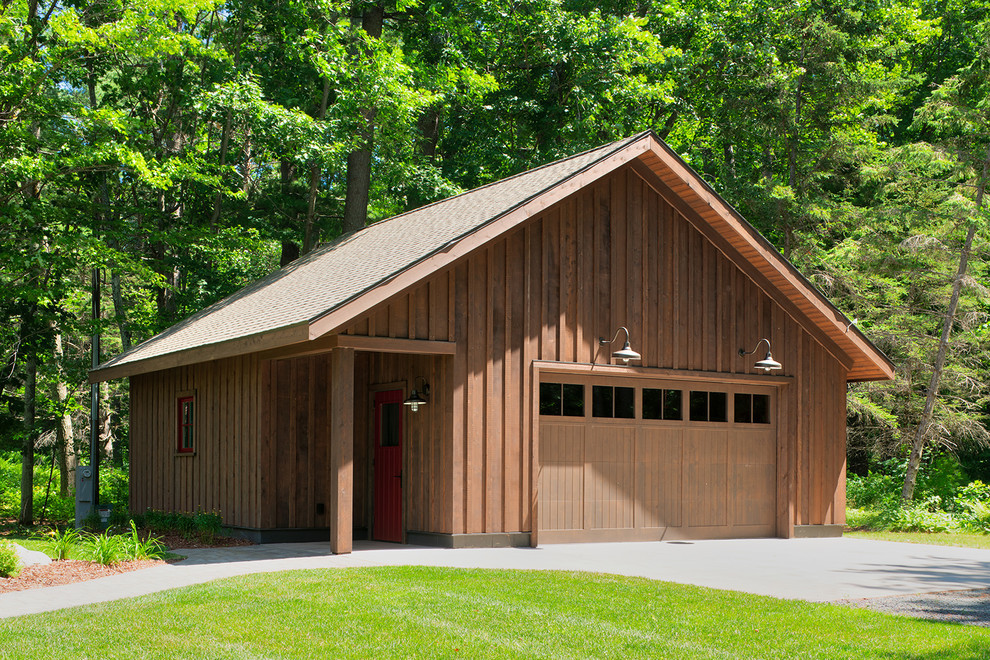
x=655, y=459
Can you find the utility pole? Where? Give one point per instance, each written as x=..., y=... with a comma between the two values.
x=94, y=394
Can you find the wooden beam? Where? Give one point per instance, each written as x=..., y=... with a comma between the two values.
x=361, y=343
x=587, y=368
x=341, y=450
x=394, y=345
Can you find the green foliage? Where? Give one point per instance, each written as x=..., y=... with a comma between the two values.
x=203, y=525
x=943, y=502
x=10, y=563
x=60, y=543
x=134, y=547
x=163, y=143
x=106, y=548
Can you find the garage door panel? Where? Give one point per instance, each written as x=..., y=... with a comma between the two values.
x=652, y=478
x=705, y=474
x=754, y=499
x=561, y=477
x=609, y=476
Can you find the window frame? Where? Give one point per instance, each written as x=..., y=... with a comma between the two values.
x=724, y=390
x=181, y=426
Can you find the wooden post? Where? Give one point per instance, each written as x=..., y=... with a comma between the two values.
x=341, y=450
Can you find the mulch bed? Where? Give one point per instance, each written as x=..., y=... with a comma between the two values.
x=68, y=571
x=174, y=540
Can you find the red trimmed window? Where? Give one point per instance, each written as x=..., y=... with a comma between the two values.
x=186, y=435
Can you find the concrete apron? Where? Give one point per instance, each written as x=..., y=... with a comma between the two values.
x=807, y=569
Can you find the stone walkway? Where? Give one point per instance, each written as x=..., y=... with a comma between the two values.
x=807, y=569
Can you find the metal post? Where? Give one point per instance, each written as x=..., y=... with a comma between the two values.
x=94, y=394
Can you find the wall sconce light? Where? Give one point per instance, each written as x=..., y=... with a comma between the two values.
x=768, y=363
x=414, y=400
x=625, y=353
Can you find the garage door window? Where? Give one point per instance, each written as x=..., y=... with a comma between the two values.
x=617, y=402
x=751, y=408
x=709, y=406
x=562, y=399
x=662, y=404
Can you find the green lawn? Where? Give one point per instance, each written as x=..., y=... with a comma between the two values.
x=960, y=539
x=449, y=613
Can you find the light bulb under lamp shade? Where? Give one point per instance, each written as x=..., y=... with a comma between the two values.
x=414, y=401
x=626, y=353
x=767, y=363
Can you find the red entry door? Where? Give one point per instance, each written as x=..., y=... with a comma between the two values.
x=388, y=466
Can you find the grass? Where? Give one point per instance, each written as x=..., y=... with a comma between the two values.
x=447, y=613
x=960, y=539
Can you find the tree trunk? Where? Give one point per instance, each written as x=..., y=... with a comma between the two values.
x=359, y=160
x=918, y=444
x=314, y=180
x=106, y=432
x=120, y=311
x=27, y=450
x=65, y=452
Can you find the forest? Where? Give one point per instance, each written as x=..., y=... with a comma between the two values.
x=157, y=155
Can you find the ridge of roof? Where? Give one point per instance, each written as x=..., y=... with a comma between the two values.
x=608, y=151
x=205, y=328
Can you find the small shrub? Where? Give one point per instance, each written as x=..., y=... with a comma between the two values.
x=137, y=548
x=106, y=548
x=208, y=525
x=61, y=543
x=10, y=563
x=972, y=506
x=926, y=517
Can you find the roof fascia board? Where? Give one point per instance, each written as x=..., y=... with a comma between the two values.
x=232, y=348
x=477, y=238
x=751, y=271
x=732, y=218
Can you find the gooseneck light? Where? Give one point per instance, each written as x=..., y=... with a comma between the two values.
x=625, y=353
x=768, y=364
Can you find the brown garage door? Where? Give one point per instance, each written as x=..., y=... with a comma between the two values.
x=633, y=459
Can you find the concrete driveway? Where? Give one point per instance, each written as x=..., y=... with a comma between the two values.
x=807, y=569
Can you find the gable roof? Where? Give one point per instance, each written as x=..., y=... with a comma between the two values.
x=334, y=284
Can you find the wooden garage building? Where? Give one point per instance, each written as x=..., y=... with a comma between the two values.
x=283, y=408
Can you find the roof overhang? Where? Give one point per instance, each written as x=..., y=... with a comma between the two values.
x=661, y=169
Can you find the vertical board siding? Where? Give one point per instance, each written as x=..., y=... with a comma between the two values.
x=215, y=478
x=615, y=253
x=425, y=476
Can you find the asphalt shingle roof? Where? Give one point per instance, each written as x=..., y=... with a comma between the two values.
x=330, y=276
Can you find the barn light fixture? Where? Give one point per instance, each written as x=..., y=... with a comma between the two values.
x=625, y=353
x=415, y=400
x=768, y=363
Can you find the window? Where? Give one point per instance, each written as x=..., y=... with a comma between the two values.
x=708, y=406
x=662, y=404
x=391, y=423
x=187, y=433
x=562, y=399
x=617, y=402
x=752, y=409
